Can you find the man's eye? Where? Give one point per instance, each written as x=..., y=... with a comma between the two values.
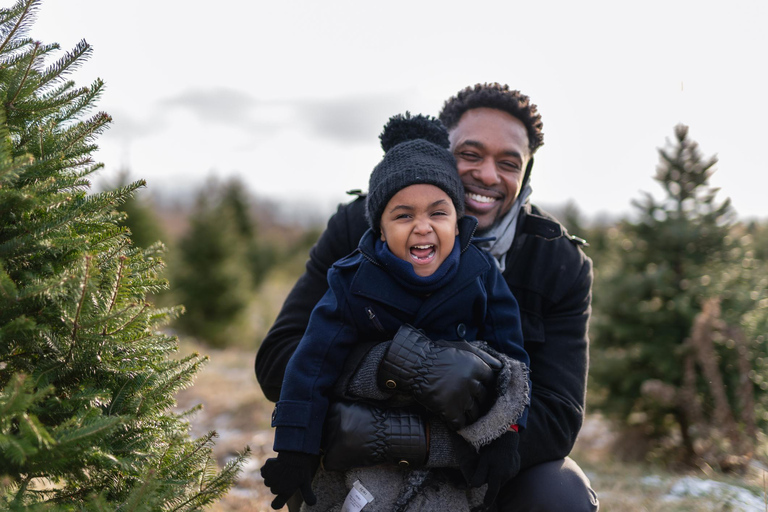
x=510, y=166
x=469, y=156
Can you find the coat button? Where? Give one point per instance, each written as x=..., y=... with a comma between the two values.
x=391, y=384
x=461, y=330
x=403, y=463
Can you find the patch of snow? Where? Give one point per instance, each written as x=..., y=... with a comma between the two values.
x=652, y=481
x=739, y=499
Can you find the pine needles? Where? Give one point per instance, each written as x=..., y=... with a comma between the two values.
x=86, y=377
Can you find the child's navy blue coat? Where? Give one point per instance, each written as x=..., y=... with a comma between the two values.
x=365, y=303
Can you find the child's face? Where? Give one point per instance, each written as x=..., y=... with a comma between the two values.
x=419, y=226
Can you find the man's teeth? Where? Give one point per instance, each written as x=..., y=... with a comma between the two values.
x=480, y=199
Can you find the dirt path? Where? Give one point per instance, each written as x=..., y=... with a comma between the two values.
x=235, y=408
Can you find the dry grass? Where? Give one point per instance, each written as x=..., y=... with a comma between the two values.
x=234, y=406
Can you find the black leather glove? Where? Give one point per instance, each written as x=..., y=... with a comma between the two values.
x=288, y=473
x=449, y=378
x=358, y=434
x=495, y=464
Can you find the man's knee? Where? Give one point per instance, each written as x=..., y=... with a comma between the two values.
x=549, y=487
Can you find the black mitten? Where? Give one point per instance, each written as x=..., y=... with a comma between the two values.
x=448, y=378
x=288, y=473
x=497, y=463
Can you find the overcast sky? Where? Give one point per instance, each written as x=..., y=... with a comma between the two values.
x=291, y=96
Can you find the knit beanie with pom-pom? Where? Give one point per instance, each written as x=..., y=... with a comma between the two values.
x=416, y=153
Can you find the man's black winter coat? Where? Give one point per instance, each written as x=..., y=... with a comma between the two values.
x=552, y=281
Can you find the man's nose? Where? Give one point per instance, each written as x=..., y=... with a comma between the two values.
x=486, y=173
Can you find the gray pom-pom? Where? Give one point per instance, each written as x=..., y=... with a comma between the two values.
x=402, y=128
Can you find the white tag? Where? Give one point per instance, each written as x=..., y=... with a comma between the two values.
x=357, y=498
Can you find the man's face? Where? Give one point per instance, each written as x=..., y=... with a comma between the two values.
x=419, y=226
x=491, y=150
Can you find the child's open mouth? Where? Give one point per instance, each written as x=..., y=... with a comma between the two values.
x=423, y=253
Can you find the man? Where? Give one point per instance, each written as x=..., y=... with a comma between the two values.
x=494, y=133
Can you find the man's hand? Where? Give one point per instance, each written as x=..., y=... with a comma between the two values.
x=288, y=473
x=495, y=464
x=448, y=378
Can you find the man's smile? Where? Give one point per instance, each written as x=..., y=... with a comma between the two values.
x=480, y=199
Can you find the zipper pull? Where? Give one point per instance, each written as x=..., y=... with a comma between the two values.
x=372, y=316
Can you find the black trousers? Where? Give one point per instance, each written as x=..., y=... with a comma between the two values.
x=556, y=486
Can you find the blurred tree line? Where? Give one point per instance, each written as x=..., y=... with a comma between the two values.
x=680, y=304
x=221, y=250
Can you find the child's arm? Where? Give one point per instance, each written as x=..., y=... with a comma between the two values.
x=311, y=372
x=299, y=415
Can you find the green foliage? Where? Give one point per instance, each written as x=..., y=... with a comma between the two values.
x=86, y=379
x=140, y=218
x=220, y=263
x=236, y=205
x=659, y=271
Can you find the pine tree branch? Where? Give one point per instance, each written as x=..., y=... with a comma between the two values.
x=88, y=128
x=202, y=443
x=117, y=289
x=17, y=25
x=23, y=487
x=79, y=307
x=129, y=322
x=26, y=75
x=70, y=60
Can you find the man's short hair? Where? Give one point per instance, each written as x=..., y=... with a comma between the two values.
x=500, y=97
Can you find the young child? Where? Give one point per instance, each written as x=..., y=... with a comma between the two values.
x=415, y=266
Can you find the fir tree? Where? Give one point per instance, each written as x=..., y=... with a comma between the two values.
x=236, y=205
x=140, y=218
x=220, y=263
x=657, y=311
x=86, y=377
x=212, y=278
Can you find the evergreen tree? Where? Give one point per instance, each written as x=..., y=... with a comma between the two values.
x=212, y=278
x=671, y=262
x=221, y=261
x=140, y=217
x=236, y=205
x=86, y=379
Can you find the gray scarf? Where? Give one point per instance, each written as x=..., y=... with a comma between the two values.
x=504, y=230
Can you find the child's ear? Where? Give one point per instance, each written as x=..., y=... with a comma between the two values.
x=457, y=229
x=383, y=238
